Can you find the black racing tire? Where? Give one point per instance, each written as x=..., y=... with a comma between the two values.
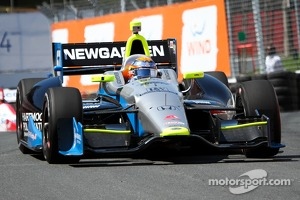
x=284, y=100
x=279, y=82
x=23, y=88
x=260, y=95
x=60, y=103
x=233, y=87
x=221, y=76
x=259, y=77
x=243, y=78
x=286, y=103
x=283, y=91
x=280, y=74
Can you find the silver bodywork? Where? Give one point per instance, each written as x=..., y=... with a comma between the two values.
x=159, y=102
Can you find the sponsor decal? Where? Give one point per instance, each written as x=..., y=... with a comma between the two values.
x=171, y=117
x=77, y=138
x=167, y=75
x=155, y=86
x=93, y=53
x=157, y=51
x=118, y=79
x=157, y=89
x=147, y=81
x=38, y=125
x=151, y=91
x=91, y=106
x=32, y=135
x=176, y=128
x=37, y=118
x=174, y=123
x=166, y=107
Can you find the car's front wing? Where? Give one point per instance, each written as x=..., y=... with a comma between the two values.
x=230, y=136
x=233, y=136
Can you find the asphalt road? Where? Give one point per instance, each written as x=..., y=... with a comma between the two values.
x=155, y=177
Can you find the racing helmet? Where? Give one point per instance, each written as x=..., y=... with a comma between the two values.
x=139, y=66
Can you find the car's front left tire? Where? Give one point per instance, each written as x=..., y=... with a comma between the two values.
x=60, y=106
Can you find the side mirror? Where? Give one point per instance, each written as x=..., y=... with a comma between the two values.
x=103, y=78
x=188, y=80
x=193, y=75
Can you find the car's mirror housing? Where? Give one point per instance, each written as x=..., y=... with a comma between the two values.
x=103, y=78
x=193, y=75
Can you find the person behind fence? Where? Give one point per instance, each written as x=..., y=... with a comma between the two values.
x=273, y=61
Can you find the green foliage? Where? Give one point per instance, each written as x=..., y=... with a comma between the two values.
x=290, y=63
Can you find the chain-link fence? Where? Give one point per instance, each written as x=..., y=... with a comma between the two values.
x=255, y=24
x=252, y=26
x=58, y=10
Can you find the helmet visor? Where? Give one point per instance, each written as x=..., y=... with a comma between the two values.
x=145, y=73
x=144, y=64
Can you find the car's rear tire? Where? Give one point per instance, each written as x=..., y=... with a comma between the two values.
x=260, y=95
x=60, y=104
x=23, y=88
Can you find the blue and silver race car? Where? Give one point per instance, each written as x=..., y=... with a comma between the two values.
x=141, y=103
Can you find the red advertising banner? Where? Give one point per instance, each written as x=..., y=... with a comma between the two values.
x=199, y=27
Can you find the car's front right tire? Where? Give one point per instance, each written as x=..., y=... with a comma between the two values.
x=259, y=95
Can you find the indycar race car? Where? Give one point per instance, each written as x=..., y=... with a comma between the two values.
x=152, y=107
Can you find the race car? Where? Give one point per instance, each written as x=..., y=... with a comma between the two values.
x=141, y=103
x=7, y=109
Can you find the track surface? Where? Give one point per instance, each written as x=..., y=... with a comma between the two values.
x=156, y=177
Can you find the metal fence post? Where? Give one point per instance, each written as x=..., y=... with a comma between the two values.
x=297, y=24
x=259, y=36
x=231, y=49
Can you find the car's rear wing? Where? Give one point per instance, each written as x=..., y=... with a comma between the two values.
x=95, y=58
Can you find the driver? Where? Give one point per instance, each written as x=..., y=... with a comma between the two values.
x=138, y=66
